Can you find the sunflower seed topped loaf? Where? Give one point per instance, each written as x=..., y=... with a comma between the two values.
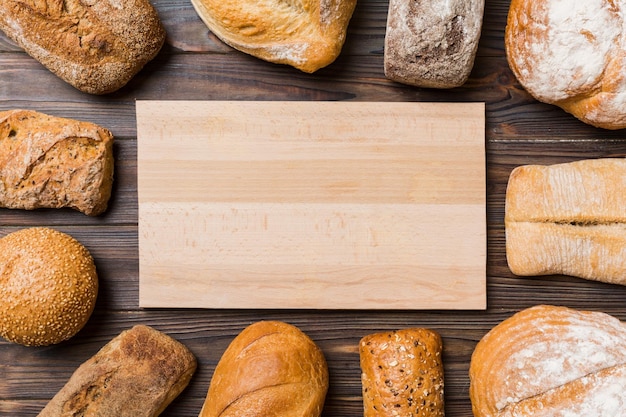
x=96, y=46
x=571, y=54
x=306, y=34
x=54, y=162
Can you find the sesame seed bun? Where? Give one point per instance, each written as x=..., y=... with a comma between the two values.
x=48, y=286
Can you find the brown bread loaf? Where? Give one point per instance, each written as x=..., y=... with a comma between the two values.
x=96, y=46
x=53, y=162
x=549, y=361
x=137, y=374
x=402, y=373
x=270, y=369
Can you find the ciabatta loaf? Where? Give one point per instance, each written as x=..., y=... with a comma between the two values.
x=549, y=361
x=568, y=219
x=96, y=46
x=306, y=34
x=571, y=54
x=54, y=162
x=402, y=373
x=270, y=369
x=137, y=374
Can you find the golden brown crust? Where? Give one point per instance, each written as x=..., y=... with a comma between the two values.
x=53, y=162
x=95, y=46
x=306, y=34
x=548, y=361
x=568, y=219
x=270, y=369
x=402, y=373
x=48, y=286
x=571, y=55
x=138, y=373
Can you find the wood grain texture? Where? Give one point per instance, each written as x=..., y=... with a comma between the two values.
x=194, y=65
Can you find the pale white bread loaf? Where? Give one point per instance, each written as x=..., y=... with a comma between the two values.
x=551, y=361
x=568, y=219
x=306, y=34
x=571, y=54
x=431, y=43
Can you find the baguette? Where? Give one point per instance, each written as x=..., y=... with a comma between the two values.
x=270, y=369
x=96, y=46
x=550, y=361
x=137, y=374
x=402, y=374
x=53, y=162
x=568, y=219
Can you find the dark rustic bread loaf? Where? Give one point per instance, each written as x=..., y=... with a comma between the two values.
x=96, y=46
x=53, y=162
x=432, y=43
x=137, y=374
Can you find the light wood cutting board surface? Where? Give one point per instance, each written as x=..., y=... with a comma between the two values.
x=321, y=205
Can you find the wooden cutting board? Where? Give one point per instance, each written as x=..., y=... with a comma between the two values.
x=316, y=205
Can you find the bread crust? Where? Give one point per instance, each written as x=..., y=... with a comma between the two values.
x=568, y=219
x=432, y=43
x=271, y=369
x=306, y=34
x=138, y=374
x=53, y=162
x=550, y=361
x=402, y=373
x=571, y=54
x=96, y=46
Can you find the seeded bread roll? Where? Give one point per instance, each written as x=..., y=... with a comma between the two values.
x=571, y=54
x=96, y=46
x=137, y=374
x=270, y=369
x=48, y=286
x=306, y=34
x=430, y=43
x=53, y=162
x=402, y=373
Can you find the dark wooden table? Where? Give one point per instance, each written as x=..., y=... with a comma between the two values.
x=194, y=65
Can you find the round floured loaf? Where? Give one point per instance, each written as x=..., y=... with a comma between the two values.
x=306, y=34
x=571, y=54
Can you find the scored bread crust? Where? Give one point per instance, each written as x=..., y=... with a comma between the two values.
x=306, y=34
x=271, y=369
x=402, y=373
x=550, y=361
x=571, y=54
x=568, y=219
x=96, y=46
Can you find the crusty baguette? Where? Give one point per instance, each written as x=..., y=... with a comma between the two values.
x=53, y=162
x=430, y=43
x=306, y=34
x=271, y=369
x=402, y=373
x=568, y=219
x=550, y=361
x=95, y=46
x=137, y=374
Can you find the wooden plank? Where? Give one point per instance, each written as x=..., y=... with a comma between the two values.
x=319, y=205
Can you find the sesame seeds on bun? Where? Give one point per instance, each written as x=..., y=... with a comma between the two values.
x=48, y=286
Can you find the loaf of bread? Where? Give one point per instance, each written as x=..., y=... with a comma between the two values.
x=96, y=46
x=402, y=373
x=270, y=369
x=549, y=361
x=137, y=374
x=571, y=54
x=307, y=35
x=49, y=286
x=53, y=162
x=431, y=43
x=568, y=219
